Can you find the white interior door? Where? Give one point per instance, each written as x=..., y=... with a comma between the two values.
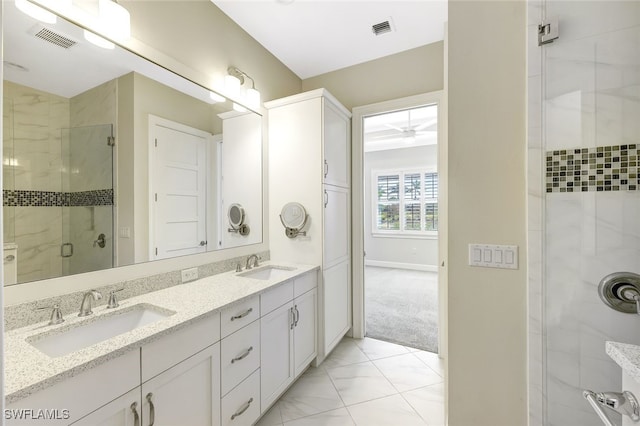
x=178, y=189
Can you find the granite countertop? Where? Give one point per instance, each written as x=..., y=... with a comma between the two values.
x=28, y=370
x=627, y=356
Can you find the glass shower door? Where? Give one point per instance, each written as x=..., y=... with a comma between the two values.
x=88, y=205
x=591, y=152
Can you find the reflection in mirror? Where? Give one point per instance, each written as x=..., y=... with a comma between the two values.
x=110, y=159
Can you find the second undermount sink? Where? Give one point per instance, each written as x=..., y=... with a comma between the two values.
x=97, y=329
x=268, y=272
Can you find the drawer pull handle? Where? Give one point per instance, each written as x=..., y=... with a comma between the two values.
x=297, y=316
x=243, y=356
x=242, y=315
x=136, y=417
x=244, y=408
x=152, y=410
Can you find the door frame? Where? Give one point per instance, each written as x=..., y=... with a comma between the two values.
x=357, y=205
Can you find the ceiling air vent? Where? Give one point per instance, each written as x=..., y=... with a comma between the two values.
x=54, y=38
x=382, y=27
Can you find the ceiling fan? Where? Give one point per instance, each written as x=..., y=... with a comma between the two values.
x=410, y=132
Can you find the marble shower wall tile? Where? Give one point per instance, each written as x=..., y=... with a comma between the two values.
x=90, y=162
x=38, y=235
x=96, y=106
x=38, y=118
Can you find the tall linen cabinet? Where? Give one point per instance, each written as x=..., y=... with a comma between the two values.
x=309, y=163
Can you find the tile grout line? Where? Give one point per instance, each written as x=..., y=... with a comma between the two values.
x=428, y=366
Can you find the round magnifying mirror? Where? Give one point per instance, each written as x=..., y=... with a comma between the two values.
x=293, y=215
x=236, y=215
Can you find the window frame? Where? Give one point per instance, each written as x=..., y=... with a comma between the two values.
x=402, y=232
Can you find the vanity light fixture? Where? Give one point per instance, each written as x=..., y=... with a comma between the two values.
x=114, y=20
x=36, y=12
x=233, y=82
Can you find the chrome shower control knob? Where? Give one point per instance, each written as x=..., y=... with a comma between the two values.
x=621, y=291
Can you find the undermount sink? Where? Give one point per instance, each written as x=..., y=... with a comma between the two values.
x=97, y=329
x=268, y=272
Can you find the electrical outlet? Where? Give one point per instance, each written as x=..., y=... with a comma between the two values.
x=190, y=274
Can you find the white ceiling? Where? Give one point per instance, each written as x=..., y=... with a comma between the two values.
x=313, y=37
x=32, y=62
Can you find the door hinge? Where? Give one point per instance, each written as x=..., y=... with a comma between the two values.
x=156, y=142
x=548, y=31
x=156, y=196
x=156, y=251
x=111, y=140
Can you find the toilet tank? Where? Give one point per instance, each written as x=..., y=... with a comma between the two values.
x=10, y=263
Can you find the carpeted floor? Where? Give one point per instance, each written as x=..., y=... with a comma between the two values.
x=401, y=306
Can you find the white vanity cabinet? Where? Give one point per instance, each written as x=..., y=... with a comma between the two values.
x=288, y=335
x=124, y=411
x=309, y=163
x=181, y=376
x=185, y=394
x=72, y=399
x=210, y=371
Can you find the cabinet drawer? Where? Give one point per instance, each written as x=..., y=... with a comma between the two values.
x=241, y=406
x=304, y=283
x=276, y=297
x=237, y=316
x=240, y=356
x=169, y=350
x=85, y=392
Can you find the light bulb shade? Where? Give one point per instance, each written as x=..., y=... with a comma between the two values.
x=114, y=20
x=239, y=108
x=36, y=12
x=232, y=85
x=253, y=97
x=216, y=98
x=97, y=40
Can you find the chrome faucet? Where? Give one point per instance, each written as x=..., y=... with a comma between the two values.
x=85, y=307
x=255, y=261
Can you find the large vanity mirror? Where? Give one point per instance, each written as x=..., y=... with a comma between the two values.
x=110, y=159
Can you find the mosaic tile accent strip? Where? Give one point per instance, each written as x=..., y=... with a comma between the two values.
x=22, y=198
x=100, y=197
x=604, y=168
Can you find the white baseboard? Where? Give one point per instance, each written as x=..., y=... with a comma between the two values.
x=399, y=265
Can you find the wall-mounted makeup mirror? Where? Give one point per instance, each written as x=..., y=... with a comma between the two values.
x=110, y=159
x=294, y=218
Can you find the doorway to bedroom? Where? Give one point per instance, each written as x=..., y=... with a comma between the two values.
x=400, y=226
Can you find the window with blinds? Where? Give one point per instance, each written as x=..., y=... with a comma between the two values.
x=405, y=202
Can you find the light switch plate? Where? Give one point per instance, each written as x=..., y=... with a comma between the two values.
x=493, y=256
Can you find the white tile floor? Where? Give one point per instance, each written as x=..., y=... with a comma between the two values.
x=365, y=383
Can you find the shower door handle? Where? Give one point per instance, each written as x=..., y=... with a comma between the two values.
x=68, y=252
